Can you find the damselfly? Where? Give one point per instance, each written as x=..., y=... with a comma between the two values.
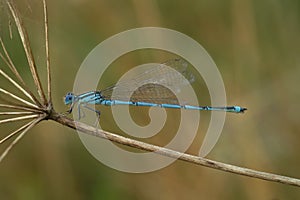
x=152, y=91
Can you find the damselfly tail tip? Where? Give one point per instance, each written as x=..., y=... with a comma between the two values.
x=242, y=110
x=237, y=109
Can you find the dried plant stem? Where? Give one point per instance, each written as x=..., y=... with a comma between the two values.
x=39, y=110
x=17, y=85
x=32, y=124
x=171, y=153
x=18, y=98
x=18, y=118
x=12, y=67
x=10, y=63
x=27, y=48
x=47, y=52
x=15, y=132
x=16, y=113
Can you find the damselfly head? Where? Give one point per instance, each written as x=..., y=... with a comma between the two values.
x=69, y=98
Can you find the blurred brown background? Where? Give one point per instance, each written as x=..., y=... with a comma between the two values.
x=254, y=43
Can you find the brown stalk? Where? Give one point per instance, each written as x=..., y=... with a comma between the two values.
x=27, y=49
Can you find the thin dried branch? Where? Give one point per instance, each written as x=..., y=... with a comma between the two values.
x=9, y=62
x=47, y=52
x=171, y=153
x=27, y=48
x=17, y=85
x=19, y=118
x=18, y=107
x=33, y=123
x=10, y=28
x=15, y=132
x=13, y=68
x=18, y=98
x=16, y=113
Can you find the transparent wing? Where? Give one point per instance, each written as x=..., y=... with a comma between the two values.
x=152, y=85
x=154, y=93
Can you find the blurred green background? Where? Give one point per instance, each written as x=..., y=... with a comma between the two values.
x=255, y=45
